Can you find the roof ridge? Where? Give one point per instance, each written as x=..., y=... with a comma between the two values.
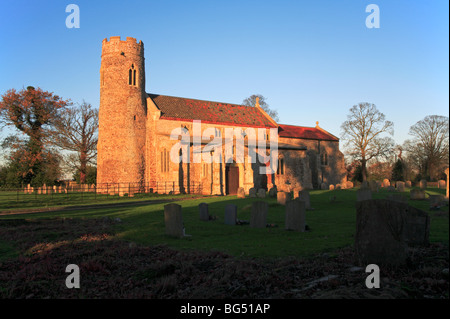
x=188, y=98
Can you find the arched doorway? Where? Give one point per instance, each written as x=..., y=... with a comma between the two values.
x=232, y=178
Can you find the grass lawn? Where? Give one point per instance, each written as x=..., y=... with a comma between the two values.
x=332, y=223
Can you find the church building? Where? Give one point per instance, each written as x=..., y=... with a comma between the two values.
x=141, y=134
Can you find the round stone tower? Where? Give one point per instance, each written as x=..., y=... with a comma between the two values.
x=122, y=115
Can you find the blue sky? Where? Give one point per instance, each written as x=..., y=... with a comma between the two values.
x=312, y=60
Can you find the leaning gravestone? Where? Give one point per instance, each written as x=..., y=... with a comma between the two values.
x=241, y=192
x=423, y=184
x=230, y=214
x=173, y=220
x=295, y=216
x=258, y=217
x=252, y=192
x=384, y=229
x=417, y=194
x=304, y=196
x=363, y=194
x=203, y=210
x=261, y=193
x=282, y=198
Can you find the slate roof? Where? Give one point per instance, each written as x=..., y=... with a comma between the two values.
x=313, y=133
x=178, y=108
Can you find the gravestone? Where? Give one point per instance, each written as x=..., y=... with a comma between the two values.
x=390, y=189
x=282, y=198
x=423, y=184
x=441, y=184
x=373, y=186
x=261, y=193
x=39, y=191
x=258, y=218
x=363, y=194
x=417, y=194
x=386, y=183
x=384, y=229
x=365, y=184
x=230, y=214
x=400, y=186
x=295, y=216
x=252, y=192
x=173, y=220
x=304, y=196
x=348, y=184
x=436, y=201
x=323, y=186
x=273, y=192
x=338, y=186
x=241, y=192
x=203, y=210
x=331, y=187
x=408, y=184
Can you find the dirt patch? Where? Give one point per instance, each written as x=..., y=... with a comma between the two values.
x=111, y=268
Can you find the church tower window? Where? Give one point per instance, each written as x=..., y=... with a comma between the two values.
x=132, y=76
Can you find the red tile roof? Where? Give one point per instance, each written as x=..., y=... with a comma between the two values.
x=177, y=108
x=313, y=133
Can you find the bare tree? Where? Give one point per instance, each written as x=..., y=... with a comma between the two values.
x=429, y=147
x=76, y=131
x=251, y=101
x=363, y=134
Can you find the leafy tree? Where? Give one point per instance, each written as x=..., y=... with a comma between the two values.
x=363, y=134
x=75, y=130
x=32, y=112
x=251, y=101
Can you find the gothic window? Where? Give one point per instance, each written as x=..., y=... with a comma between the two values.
x=324, y=159
x=132, y=76
x=280, y=168
x=165, y=161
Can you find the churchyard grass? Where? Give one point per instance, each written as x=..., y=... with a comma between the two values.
x=331, y=223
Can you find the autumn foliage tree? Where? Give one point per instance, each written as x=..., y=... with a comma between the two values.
x=32, y=112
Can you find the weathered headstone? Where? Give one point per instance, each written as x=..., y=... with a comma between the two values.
x=295, y=215
x=408, y=184
x=282, y=198
x=365, y=184
x=337, y=187
x=373, y=186
x=304, y=196
x=423, y=184
x=252, y=192
x=386, y=183
x=400, y=186
x=241, y=192
x=173, y=220
x=331, y=187
x=273, y=192
x=230, y=214
x=258, y=217
x=39, y=191
x=323, y=186
x=441, y=184
x=261, y=193
x=436, y=200
x=203, y=211
x=348, y=184
x=417, y=194
x=384, y=229
x=363, y=194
